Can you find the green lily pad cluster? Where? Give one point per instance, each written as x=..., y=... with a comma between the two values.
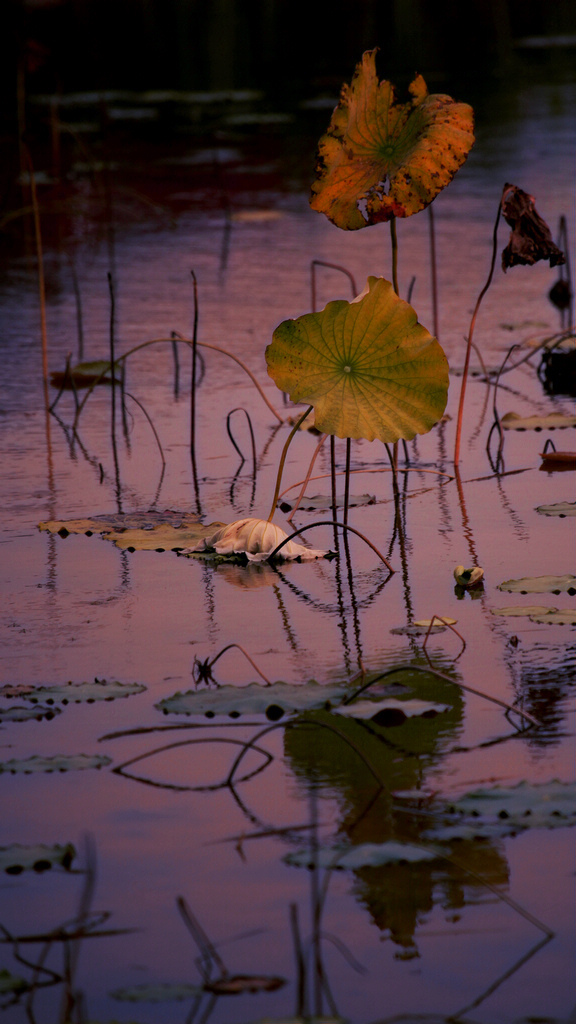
x=502, y=811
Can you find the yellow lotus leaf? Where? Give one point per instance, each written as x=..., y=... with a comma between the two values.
x=381, y=158
x=368, y=367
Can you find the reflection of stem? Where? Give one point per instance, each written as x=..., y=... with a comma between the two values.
x=347, y=482
x=445, y=623
x=469, y=342
x=467, y=530
x=246, y=655
x=308, y=475
x=504, y=977
x=330, y=522
x=433, y=271
x=394, y=240
x=331, y=266
x=113, y=398
x=283, y=459
x=41, y=282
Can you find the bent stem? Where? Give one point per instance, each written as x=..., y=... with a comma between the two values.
x=283, y=459
x=330, y=522
x=469, y=340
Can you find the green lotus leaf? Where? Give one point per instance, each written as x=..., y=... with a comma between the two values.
x=560, y=508
x=541, y=585
x=160, y=993
x=72, y=693
x=16, y=858
x=59, y=763
x=362, y=856
x=255, y=699
x=504, y=811
x=83, y=375
x=381, y=158
x=553, y=421
x=368, y=367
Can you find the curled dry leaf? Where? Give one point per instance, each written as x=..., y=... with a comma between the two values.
x=468, y=577
x=381, y=158
x=530, y=239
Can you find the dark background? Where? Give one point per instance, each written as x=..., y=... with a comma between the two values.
x=289, y=49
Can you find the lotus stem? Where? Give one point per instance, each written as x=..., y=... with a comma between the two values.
x=41, y=281
x=470, y=335
x=331, y=266
x=330, y=522
x=283, y=459
x=193, y=380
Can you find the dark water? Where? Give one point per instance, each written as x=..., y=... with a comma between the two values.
x=432, y=941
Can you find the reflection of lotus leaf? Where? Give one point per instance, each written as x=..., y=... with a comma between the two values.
x=254, y=699
x=161, y=993
x=553, y=421
x=381, y=709
x=15, y=859
x=541, y=585
x=138, y=531
x=368, y=367
x=73, y=693
x=381, y=158
x=560, y=508
x=363, y=856
x=59, y=763
x=502, y=811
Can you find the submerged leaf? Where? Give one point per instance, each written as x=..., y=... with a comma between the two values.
x=362, y=856
x=255, y=539
x=368, y=367
x=274, y=701
x=73, y=693
x=160, y=993
x=381, y=158
x=541, y=585
x=16, y=858
x=59, y=763
x=530, y=239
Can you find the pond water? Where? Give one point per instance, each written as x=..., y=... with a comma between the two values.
x=481, y=931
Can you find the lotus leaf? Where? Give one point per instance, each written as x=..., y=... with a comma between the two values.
x=323, y=502
x=15, y=859
x=236, y=984
x=523, y=609
x=140, y=531
x=362, y=856
x=553, y=421
x=162, y=993
x=254, y=699
x=368, y=367
x=555, y=617
x=22, y=714
x=541, y=585
x=255, y=539
x=381, y=158
x=505, y=811
x=73, y=693
x=560, y=508
x=390, y=707
x=445, y=619
x=59, y=763
x=83, y=375
x=12, y=984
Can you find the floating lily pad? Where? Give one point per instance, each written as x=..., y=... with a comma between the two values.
x=59, y=763
x=445, y=619
x=541, y=585
x=254, y=540
x=322, y=502
x=72, y=693
x=236, y=984
x=26, y=714
x=418, y=630
x=363, y=856
x=83, y=375
x=162, y=993
x=553, y=421
x=15, y=859
x=523, y=609
x=505, y=811
x=390, y=711
x=274, y=701
x=11, y=984
x=381, y=158
x=139, y=531
x=555, y=617
x=368, y=367
x=560, y=508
